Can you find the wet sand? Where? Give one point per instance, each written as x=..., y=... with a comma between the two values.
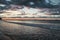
x=30, y=31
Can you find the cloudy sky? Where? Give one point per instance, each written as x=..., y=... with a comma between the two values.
x=54, y=2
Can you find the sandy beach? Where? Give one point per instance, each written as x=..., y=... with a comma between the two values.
x=29, y=31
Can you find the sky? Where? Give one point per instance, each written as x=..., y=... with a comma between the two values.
x=53, y=2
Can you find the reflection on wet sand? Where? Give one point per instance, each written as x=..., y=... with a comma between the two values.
x=18, y=28
x=26, y=28
x=30, y=30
